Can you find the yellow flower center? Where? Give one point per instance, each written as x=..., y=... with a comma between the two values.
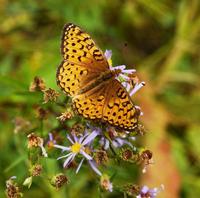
x=110, y=61
x=76, y=147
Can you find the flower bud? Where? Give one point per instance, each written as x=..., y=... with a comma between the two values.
x=59, y=180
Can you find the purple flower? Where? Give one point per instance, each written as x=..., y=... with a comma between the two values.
x=51, y=141
x=115, y=140
x=146, y=192
x=124, y=75
x=78, y=146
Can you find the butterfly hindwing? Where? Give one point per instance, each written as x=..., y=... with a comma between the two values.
x=108, y=102
x=119, y=109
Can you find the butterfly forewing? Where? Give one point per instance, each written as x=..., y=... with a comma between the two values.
x=78, y=47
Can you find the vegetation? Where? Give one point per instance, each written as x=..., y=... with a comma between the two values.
x=161, y=39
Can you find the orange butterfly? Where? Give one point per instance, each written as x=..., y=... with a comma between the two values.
x=85, y=75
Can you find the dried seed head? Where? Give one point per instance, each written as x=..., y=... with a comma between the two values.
x=105, y=183
x=146, y=155
x=36, y=170
x=112, y=132
x=34, y=140
x=50, y=95
x=77, y=129
x=101, y=157
x=65, y=116
x=37, y=85
x=127, y=154
x=12, y=189
x=59, y=180
x=140, y=130
x=132, y=189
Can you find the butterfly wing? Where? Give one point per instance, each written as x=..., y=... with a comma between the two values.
x=108, y=102
x=119, y=109
x=83, y=60
x=90, y=104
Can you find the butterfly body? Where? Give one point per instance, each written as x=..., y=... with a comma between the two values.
x=84, y=74
x=108, y=75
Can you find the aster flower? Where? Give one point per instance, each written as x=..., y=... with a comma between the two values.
x=146, y=192
x=79, y=146
x=116, y=140
x=36, y=141
x=125, y=76
x=51, y=142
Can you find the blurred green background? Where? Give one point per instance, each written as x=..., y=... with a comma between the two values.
x=160, y=38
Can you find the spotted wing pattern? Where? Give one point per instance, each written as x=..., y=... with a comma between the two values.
x=83, y=60
x=108, y=102
x=119, y=109
x=83, y=63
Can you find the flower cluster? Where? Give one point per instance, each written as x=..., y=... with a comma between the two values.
x=95, y=144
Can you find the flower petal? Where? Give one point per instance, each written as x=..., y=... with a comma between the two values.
x=145, y=189
x=93, y=166
x=64, y=148
x=68, y=160
x=136, y=88
x=106, y=145
x=108, y=54
x=90, y=137
x=50, y=137
x=79, y=166
x=69, y=138
x=88, y=157
x=64, y=156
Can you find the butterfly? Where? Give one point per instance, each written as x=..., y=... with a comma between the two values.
x=84, y=74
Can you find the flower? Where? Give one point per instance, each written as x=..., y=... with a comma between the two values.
x=146, y=192
x=126, y=75
x=12, y=189
x=36, y=170
x=51, y=141
x=105, y=183
x=59, y=180
x=101, y=157
x=50, y=95
x=37, y=85
x=36, y=141
x=79, y=146
x=65, y=116
x=114, y=139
